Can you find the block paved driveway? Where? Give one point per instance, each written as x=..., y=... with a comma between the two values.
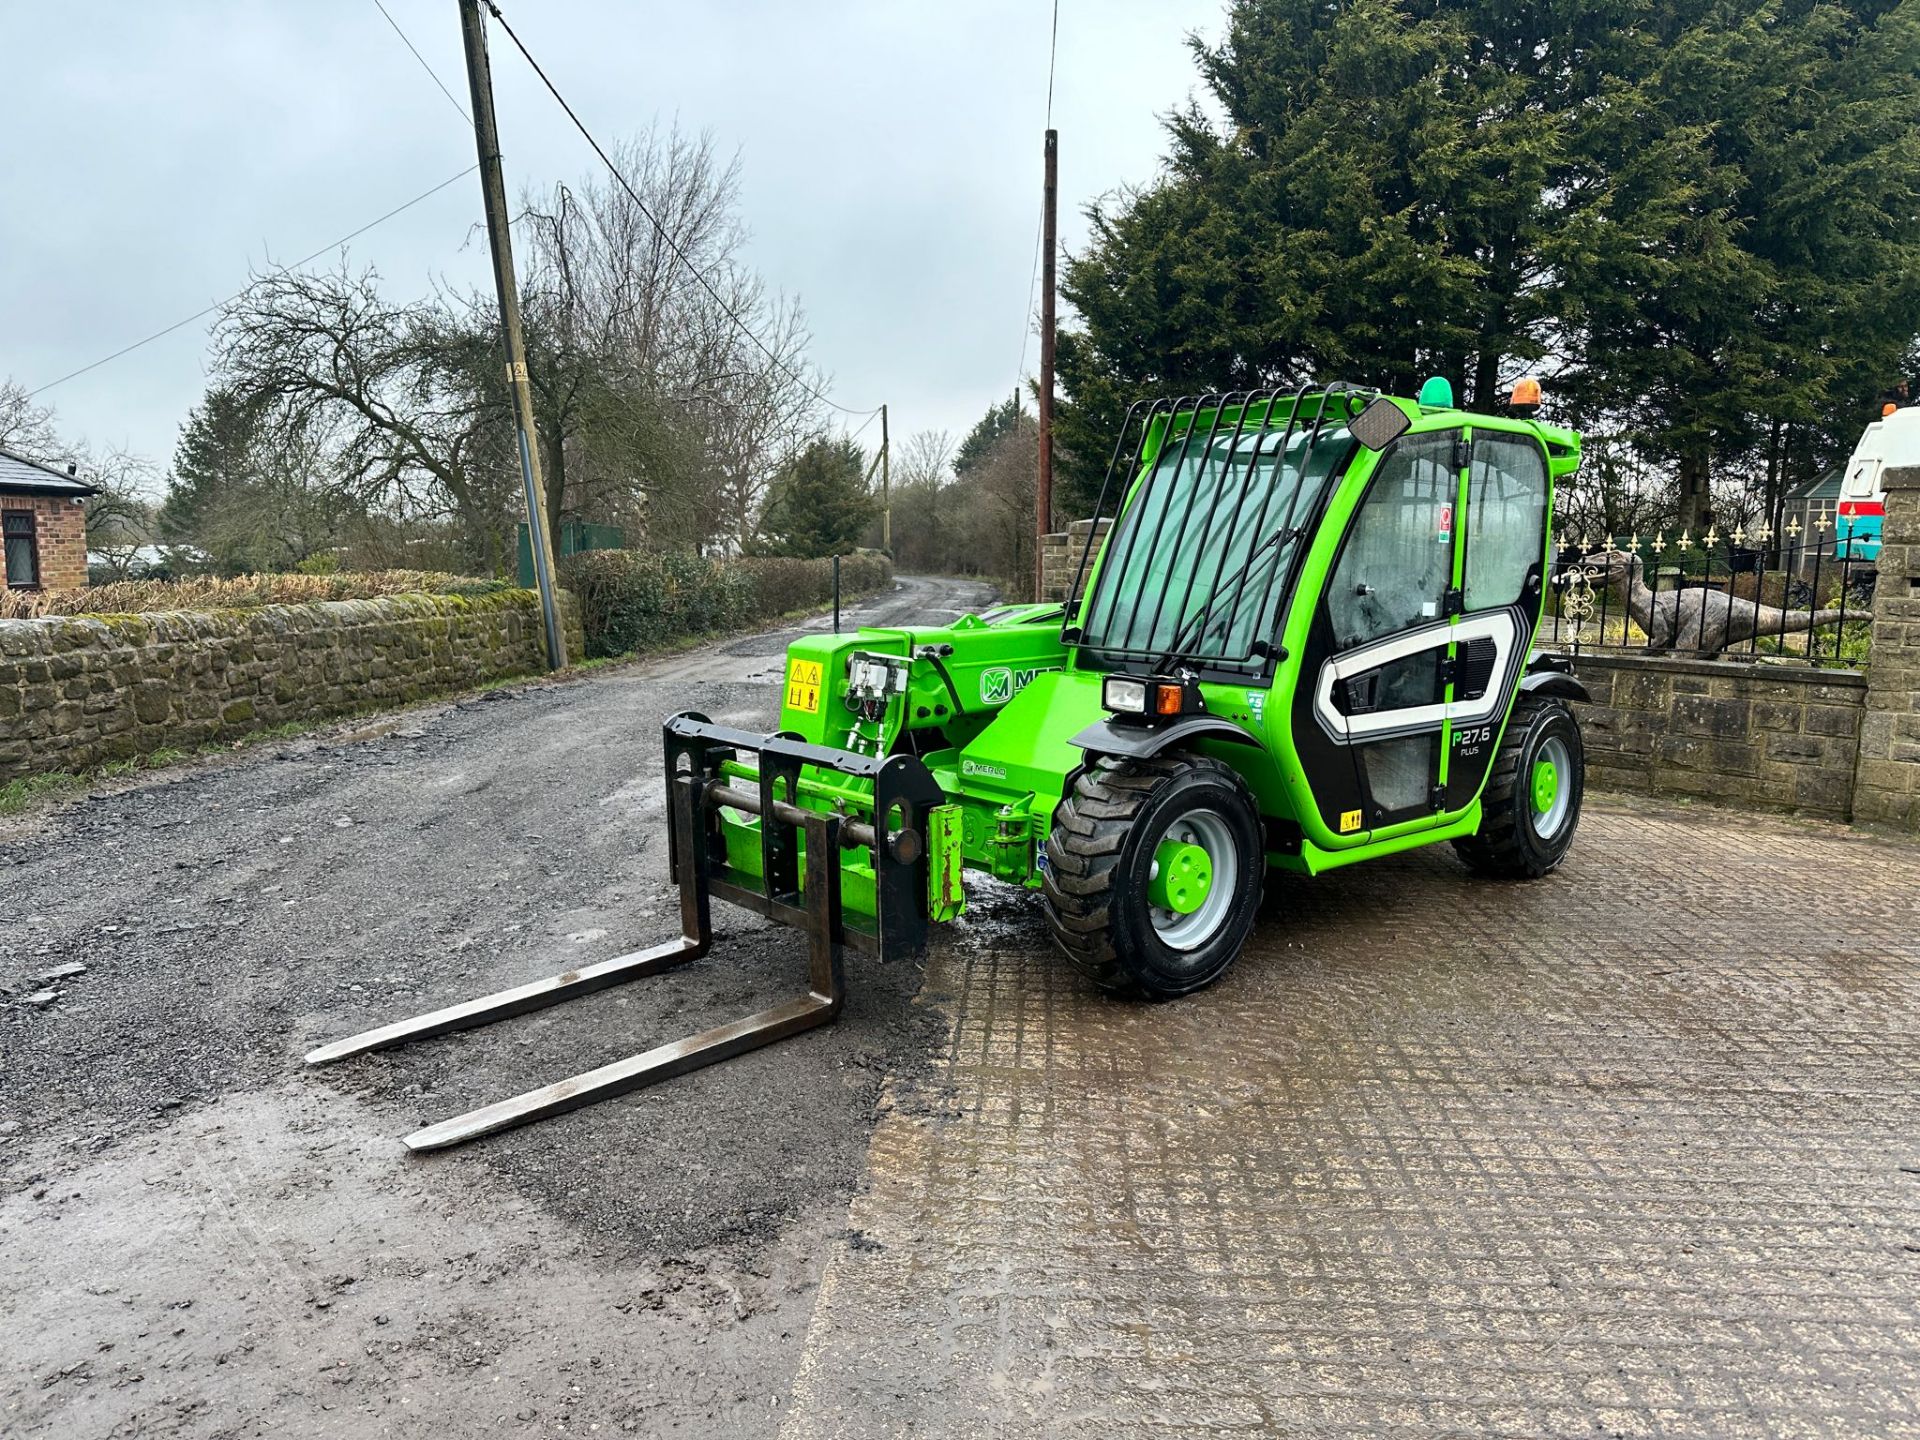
x=1632, y=1151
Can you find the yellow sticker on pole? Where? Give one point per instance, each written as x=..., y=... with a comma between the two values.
x=803, y=686
x=1349, y=821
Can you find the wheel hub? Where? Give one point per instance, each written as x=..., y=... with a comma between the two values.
x=1181, y=877
x=1546, y=785
x=1192, y=878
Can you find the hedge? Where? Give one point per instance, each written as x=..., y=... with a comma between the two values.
x=633, y=600
x=202, y=593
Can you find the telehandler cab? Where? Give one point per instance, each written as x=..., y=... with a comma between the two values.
x=1304, y=642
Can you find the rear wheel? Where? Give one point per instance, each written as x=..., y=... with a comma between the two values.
x=1532, y=801
x=1153, y=873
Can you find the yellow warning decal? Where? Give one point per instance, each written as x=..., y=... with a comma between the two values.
x=803, y=686
x=1349, y=821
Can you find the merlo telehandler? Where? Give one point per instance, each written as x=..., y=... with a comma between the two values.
x=1305, y=641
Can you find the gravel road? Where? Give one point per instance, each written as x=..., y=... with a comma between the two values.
x=200, y=1237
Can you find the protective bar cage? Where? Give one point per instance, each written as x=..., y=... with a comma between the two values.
x=800, y=884
x=1241, y=511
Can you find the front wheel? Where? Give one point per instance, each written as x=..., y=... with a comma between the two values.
x=1153, y=873
x=1532, y=801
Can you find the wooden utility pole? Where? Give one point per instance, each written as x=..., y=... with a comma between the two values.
x=886, y=486
x=493, y=196
x=1043, y=491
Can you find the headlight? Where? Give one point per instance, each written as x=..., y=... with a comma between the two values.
x=1124, y=696
x=1155, y=699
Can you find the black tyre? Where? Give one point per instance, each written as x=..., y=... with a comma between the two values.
x=1133, y=924
x=1531, y=805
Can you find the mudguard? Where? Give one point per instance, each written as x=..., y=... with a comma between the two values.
x=1548, y=675
x=1134, y=741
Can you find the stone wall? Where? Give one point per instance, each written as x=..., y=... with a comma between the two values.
x=1771, y=737
x=1060, y=557
x=1888, y=787
x=60, y=537
x=77, y=691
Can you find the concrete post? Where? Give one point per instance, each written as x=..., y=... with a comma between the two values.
x=1886, y=784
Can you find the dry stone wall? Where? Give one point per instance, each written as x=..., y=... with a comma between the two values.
x=78, y=691
x=1770, y=737
x=1061, y=555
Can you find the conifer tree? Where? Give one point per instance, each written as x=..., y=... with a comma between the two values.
x=819, y=502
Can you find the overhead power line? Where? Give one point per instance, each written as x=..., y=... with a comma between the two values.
x=431, y=72
x=664, y=233
x=1053, y=48
x=1033, y=275
x=220, y=304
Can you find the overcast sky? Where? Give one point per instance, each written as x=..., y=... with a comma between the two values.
x=891, y=154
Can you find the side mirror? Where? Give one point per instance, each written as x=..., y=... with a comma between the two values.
x=1380, y=424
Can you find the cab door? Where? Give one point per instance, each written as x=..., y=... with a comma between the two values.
x=1502, y=569
x=1422, y=630
x=1379, y=649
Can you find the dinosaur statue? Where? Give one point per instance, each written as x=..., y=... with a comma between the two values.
x=1705, y=621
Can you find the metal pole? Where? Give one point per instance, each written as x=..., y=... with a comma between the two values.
x=886, y=489
x=493, y=195
x=1043, y=490
x=836, y=594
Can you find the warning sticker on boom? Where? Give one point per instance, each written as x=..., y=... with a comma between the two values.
x=803, y=686
x=1349, y=821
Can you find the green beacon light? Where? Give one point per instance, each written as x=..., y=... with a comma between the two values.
x=1437, y=394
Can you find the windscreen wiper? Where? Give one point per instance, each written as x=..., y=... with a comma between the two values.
x=1272, y=545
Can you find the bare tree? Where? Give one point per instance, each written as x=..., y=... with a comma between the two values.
x=380, y=382
x=925, y=505
x=120, y=518
x=655, y=408
x=648, y=386
x=997, y=500
x=1616, y=492
x=26, y=428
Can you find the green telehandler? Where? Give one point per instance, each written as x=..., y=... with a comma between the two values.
x=1305, y=641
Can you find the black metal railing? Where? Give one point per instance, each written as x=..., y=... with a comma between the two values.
x=1804, y=594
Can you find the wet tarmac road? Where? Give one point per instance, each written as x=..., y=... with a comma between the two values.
x=199, y=1237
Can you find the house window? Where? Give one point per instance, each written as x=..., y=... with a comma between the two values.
x=23, y=555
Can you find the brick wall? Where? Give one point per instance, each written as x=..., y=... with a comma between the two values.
x=1887, y=791
x=60, y=529
x=1771, y=737
x=76, y=691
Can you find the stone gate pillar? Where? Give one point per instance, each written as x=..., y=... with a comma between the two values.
x=1886, y=785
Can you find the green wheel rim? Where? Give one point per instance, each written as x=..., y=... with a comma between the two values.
x=1549, y=790
x=1191, y=880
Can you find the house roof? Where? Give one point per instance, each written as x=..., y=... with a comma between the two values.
x=21, y=476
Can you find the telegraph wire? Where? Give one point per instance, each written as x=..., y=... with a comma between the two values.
x=431, y=72
x=1039, y=230
x=221, y=304
x=1053, y=48
x=664, y=233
